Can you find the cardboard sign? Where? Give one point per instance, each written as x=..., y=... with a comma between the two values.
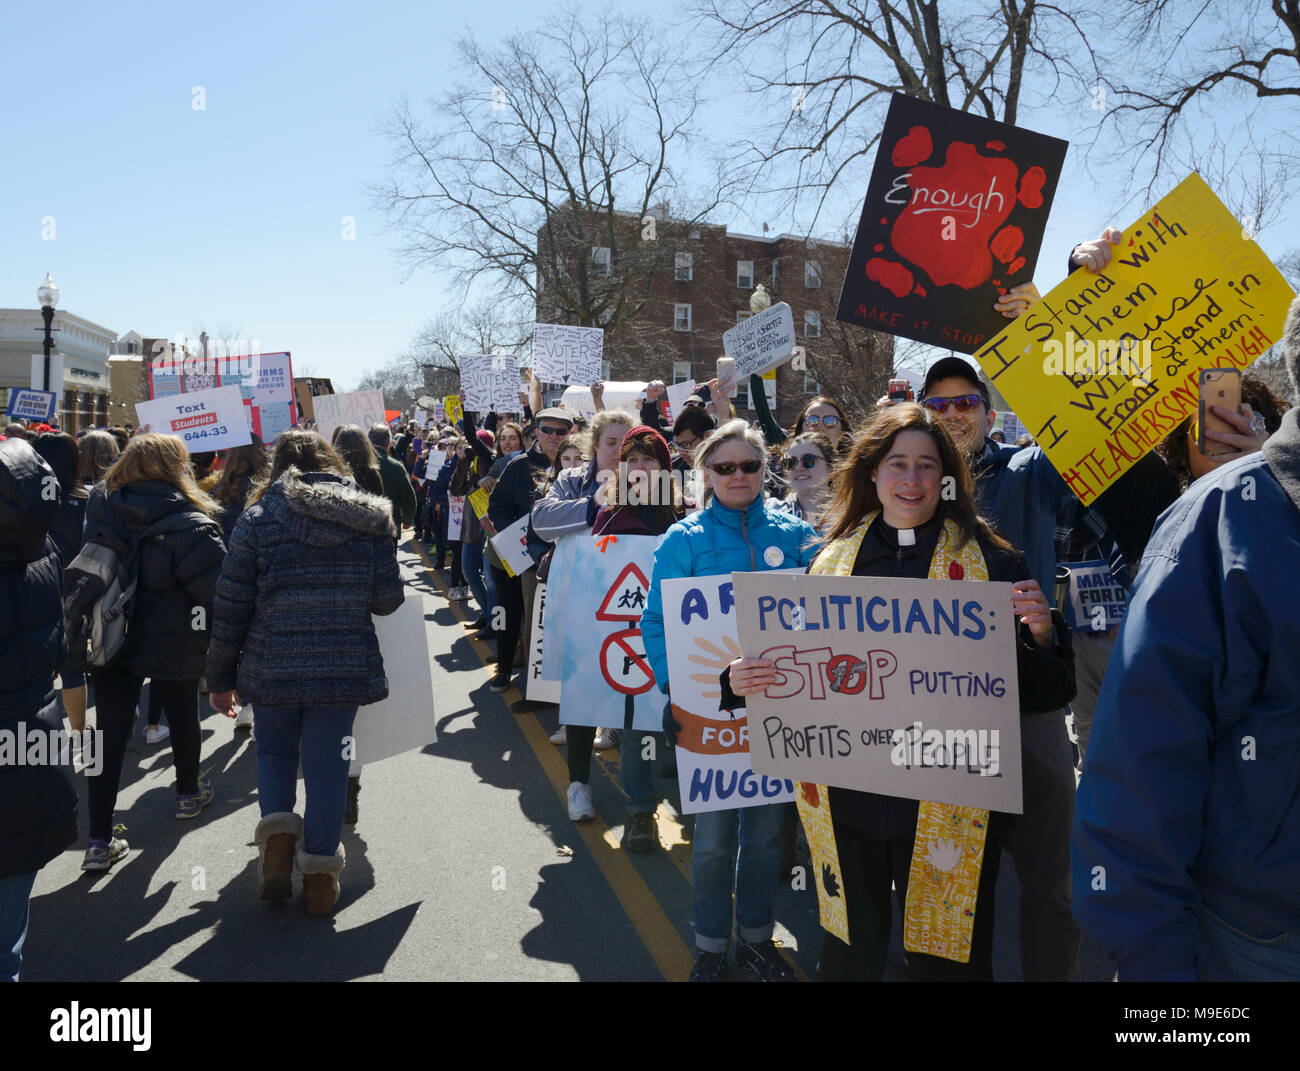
x=598, y=589
x=31, y=404
x=1097, y=600
x=538, y=687
x=206, y=420
x=511, y=545
x=360, y=407
x=713, y=767
x=568, y=355
x=478, y=502
x=1106, y=365
x=421, y=417
x=902, y=687
x=264, y=381
x=434, y=462
x=953, y=218
x=405, y=720
x=677, y=395
x=455, y=517
x=452, y=408
x=491, y=383
x=761, y=342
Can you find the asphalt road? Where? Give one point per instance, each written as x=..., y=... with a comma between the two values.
x=464, y=866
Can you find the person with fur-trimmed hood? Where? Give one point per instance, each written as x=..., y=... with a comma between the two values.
x=1186, y=841
x=310, y=560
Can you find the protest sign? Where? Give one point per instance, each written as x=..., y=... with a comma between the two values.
x=598, y=591
x=31, y=404
x=1095, y=600
x=455, y=516
x=538, y=687
x=478, y=502
x=433, y=465
x=953, y=218
x=206, y=420
x=1106, y=364
x=360, y=407
x=511, y=545
x=761, y=342
x=677, y=395
x=902, y=687
x=568, y=355
x=264, y=381
x=452, y=408
x=491, y=383
x=421, y=417
x=405, y=720
x=713, y=767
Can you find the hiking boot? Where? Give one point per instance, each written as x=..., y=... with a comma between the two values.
x=641, y=834
x=102, y=854
x=710, y=967
x=763, y=960
x=277, y=839
x=320, y=881
x=189, y=806
x=353, y=807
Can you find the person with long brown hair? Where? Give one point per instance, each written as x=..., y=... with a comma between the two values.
x=242, y=467
x=153, y=507
x=354, y=448
x=904, y=506
x=310, y=560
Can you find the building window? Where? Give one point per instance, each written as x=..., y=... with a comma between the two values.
x=681, y=371
x=812, y=274
x=812, y=325
x=776, y=273
x=741, y=400
x=685, y=267
x=810, y=385
x=681, y=317
x=600, y=258
x=605, y=372
x=745, y=274
x=743, y=314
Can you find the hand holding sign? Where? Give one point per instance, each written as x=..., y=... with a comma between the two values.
x=1030, y=604
x=1095, y=255
x=749, y=676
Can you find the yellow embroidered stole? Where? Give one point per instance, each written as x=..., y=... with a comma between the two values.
x=949, y=850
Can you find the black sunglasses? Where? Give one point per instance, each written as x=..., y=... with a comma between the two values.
x=551, y=429
x=963, y=403
x=726, y=468
x=809, y=461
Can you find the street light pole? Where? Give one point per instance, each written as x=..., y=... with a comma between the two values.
x=48, y=295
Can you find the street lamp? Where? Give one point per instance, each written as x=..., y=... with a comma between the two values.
x=48, y=295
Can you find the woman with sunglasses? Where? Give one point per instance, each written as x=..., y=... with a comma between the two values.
x=806, y=467
x=737, y=849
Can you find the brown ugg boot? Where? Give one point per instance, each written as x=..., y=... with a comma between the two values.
x=320, y=881
x=277, y=838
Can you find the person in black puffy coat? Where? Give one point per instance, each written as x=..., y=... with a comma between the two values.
x=167, y=635
x=38, y=803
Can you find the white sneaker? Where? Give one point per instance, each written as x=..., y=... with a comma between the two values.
x=156, y=734
x=244, y=719
x=605, y=739
x=580, y=802
x=561, y=735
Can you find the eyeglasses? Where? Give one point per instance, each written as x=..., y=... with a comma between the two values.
x=820, y=421
x=543, y=429
x=809, y=461
x=963, y=403
x=726, y=468
x=686, y=445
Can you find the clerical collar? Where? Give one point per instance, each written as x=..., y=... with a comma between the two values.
x=906, y=537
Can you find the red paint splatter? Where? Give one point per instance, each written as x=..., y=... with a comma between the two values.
x=996, y=146
x=955, y=571
x=885, y=219
x=1017, y=264
x=913, y=148
x=893, y=277
x=1031, y=188
x=878, y=248
x=809, y=792
x=1006, y=243
x=919, y=291
x=996, y=282
x=974, y=189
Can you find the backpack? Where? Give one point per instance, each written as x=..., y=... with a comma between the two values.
x=98, y=590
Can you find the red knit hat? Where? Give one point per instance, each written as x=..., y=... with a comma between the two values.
x=486, y=438
x=646, y=438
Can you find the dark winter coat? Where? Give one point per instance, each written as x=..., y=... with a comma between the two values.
x=308, y=565
x=38, y=804
x=171, y=615
x=67, y=528
x=397, y=486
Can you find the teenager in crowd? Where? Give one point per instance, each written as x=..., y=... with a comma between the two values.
x=311, y=559
x=474, y=458
x=889, y=518
x=738, y=849
x=397, y=484
x=151, y=486
x=806, y=464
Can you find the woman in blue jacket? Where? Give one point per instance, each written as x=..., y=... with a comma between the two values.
x=736, y=531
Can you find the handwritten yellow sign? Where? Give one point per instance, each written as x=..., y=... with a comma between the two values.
x=1106, y=364
x=479, y=500
x=451, y=404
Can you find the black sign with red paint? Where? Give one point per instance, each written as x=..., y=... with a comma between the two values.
x=954, y=217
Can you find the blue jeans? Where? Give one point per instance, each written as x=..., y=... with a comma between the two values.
x=637, y=772
x=754, y=872
x=322, y=735
x=15, y=892
x=1233, y=950
x=478, y=578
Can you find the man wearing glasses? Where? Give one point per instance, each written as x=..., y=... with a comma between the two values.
x=1020, y=493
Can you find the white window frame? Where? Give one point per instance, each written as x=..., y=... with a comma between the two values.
x=776, y=273
x=677, y=318
x=686, y=261
x=743, y=314
x=681, y=372
x=741, y=400
x=740, y=283
x=810, y=385
x=812, y=269
x=602, y=260
x=605, y=371
x=811, y=320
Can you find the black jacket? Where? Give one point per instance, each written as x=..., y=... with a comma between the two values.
x=167, y=638
x=517, y=489
x=66, y=528
x=38, y=804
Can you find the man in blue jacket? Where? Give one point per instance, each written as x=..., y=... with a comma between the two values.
x=1186, y=849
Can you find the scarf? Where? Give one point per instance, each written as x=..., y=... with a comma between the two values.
x=943, y=882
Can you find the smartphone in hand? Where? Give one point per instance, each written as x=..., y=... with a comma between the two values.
x=1217, y=386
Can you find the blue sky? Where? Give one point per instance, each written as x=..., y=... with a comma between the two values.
x=169, y=219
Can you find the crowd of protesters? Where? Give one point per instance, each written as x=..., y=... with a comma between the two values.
x=259, y=572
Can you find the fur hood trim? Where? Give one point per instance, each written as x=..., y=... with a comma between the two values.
x=335, y=501
x=1291, y=345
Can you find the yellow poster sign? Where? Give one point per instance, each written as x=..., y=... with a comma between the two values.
x=451, y=403
x=1106, y=364
x=479, y=501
